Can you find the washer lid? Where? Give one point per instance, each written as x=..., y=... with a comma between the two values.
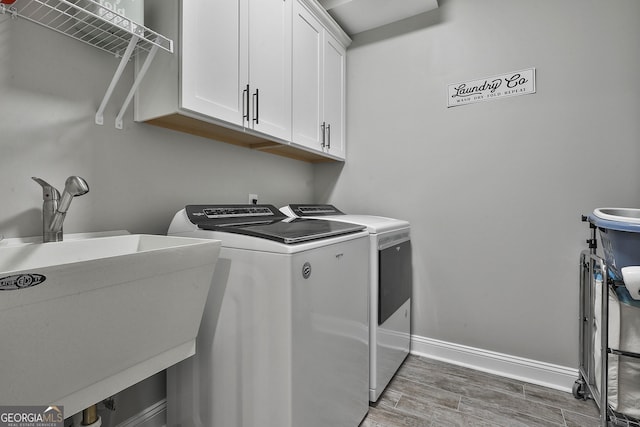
x=265, y=221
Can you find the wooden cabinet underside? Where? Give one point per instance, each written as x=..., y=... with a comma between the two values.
x=197, y=127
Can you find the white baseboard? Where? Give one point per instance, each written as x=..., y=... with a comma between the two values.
x=519, y=368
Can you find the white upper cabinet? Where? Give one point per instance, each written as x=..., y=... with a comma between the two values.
x=318, y=85
x=236, y=62
x=245, y=71
x=270, y=67
x=334, y=96
x=308, y=36
x=214, y=58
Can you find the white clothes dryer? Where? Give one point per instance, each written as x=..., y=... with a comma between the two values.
x=390, y=288
x=290, y=346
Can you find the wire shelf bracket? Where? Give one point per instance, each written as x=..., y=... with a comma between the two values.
x=91, y=23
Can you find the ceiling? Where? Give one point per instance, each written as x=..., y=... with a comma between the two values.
x=355, y=16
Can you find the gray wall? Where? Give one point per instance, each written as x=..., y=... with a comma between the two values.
x=50, y=88
x=495, y=190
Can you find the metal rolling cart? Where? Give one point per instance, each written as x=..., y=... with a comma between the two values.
x=585, y=387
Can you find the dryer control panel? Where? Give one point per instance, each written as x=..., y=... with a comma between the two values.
x=314, y=210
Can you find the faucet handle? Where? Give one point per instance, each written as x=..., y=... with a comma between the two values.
x=49, y=192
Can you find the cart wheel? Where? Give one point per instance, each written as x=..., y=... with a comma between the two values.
x=578, y=390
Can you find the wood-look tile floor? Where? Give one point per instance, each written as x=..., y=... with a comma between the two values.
x=427, y=392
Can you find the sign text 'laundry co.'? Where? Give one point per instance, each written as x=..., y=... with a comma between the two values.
x=502, y=86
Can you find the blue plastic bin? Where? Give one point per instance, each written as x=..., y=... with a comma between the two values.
x=620, y=243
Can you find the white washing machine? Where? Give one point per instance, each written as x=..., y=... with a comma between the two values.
x=290, y=346
x=391, y=283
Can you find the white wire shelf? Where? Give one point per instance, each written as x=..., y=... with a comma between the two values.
x=89, y=22
x=92, y=23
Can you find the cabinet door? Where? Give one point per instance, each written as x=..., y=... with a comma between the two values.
x=307, y=78
x=270, y=66
x=214, y=58
x=334, y=96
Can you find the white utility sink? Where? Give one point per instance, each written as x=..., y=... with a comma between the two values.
x=107, y=313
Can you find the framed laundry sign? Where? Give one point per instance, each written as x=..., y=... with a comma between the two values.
x=516, y=83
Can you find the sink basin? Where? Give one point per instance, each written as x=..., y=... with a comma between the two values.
x=81, y=320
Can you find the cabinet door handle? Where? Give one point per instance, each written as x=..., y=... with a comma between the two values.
x=245, y=104
x=256, y=107
x=329, y=137
x=322, y=129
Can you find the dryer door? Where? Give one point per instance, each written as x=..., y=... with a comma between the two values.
x=395, y=278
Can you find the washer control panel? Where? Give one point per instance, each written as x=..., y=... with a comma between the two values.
x=238, y=211
x=222, y=215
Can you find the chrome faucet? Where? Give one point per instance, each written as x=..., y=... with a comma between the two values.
x=54, y=207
